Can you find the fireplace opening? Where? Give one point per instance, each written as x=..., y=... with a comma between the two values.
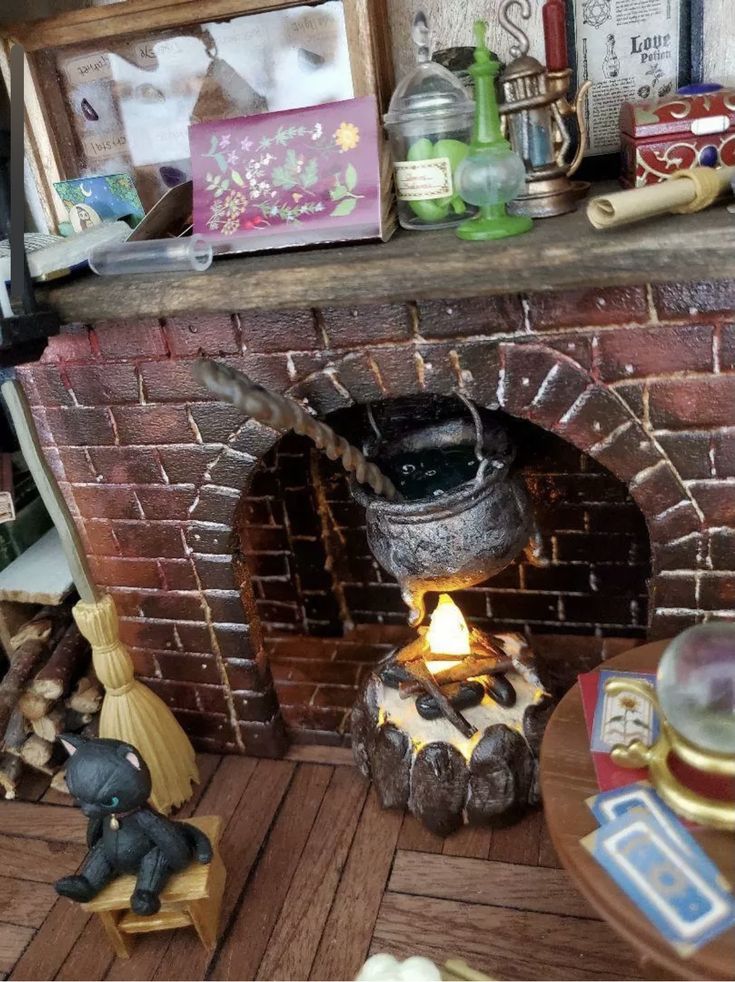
x=328, y=611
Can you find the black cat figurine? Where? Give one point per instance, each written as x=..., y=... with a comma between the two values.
x=112, y=784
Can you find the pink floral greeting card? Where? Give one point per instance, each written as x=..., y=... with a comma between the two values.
x=288, y=178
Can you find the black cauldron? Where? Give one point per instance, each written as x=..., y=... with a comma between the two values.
x=460, y=536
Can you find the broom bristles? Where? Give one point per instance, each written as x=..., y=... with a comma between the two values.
x=141, y=718
x=131, y=712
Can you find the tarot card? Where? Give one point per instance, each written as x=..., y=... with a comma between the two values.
x=609, y=775
x=642, y=798
x=682, y=894
x=93, y=201
x=623, y=717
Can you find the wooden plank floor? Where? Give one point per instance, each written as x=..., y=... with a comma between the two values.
x=318, y=877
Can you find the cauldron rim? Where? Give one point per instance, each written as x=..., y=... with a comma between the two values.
x=494, y=438
x=434, y=508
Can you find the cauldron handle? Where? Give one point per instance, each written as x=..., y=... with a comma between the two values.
x=479, y=435
x=376, y=430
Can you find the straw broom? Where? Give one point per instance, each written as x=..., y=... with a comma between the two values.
x=130, y=711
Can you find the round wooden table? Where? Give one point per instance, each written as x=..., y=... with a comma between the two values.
x=567, y=779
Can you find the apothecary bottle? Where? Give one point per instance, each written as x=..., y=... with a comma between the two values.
x=429, y=123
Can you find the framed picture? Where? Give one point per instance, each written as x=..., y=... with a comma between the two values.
x=631, y=50
x=114, y=89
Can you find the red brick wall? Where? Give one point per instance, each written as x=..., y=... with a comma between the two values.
x=642, y=380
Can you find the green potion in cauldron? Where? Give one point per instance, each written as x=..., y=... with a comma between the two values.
x=430, y=125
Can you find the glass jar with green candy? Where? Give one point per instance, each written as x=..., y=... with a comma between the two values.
x=430, y=125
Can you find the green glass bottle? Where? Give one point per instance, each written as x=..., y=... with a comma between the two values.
x=492, y=174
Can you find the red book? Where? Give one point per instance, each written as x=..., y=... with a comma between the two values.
x=555, y=35
x=609, y=775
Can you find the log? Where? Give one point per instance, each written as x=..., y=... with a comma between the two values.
x=439, y=781
x=16, y=732
x=424, y=676
x=392, y=766
x=75, y=721
x=24, y=663
x=87, y=696
x=362, y=730
x=469, y=668
x=490, y=646
x=68, y=660
x=490, y=656
x=58, y=782
x=11, y=770
x=92, y=730
x=535, y=719
x=502, y=769
x=39, y=628
x=415, y=649
x=50, y=726
x=33, y=706
x=37, y=752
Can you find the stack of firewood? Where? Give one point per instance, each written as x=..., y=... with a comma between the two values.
x=48, y=689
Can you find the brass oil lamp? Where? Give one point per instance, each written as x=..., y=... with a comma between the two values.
x=692, y=763
x=535, y=112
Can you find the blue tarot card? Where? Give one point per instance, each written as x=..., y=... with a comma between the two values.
x=640, y=797
x=682, y=893
x=94, y=200
x=623, y=717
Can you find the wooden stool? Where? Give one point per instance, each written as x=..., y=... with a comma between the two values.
x=192, y=897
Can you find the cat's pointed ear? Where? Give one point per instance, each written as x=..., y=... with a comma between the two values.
x=71, y=742
x=129, y=753
x=132, y=758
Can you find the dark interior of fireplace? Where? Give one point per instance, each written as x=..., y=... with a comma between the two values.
x=329, y=612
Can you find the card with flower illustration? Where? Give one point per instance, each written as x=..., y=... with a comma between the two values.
x=289, y=178
x=609, y=775
x=622, y=717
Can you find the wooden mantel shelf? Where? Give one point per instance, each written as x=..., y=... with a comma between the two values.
x=562, y=253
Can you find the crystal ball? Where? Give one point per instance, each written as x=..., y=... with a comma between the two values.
x=493, y=176
x=696, y=686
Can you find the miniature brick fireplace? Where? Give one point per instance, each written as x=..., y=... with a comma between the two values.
x=235, y=557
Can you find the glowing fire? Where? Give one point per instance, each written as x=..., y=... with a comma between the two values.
x=448, y=633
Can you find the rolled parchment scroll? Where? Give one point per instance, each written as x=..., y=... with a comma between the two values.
x=684, y=192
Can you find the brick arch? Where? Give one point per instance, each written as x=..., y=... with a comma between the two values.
x=553, y=391
x=549, y=388
x=533, y=382
x=237, y=447
x=530, y=381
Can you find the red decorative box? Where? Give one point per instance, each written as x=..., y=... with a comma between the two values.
x=686, y=130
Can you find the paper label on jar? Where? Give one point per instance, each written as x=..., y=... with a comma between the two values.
x=424, y=180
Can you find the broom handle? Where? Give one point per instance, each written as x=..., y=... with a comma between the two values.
x=25, y=428
x=131, y=712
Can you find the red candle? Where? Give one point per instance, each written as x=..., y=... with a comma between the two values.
x=555, y=35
